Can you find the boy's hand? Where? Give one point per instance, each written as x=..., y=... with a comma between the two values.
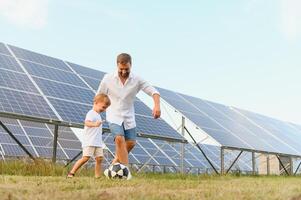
x=97, y=123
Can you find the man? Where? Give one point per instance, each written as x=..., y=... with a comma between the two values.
x=122, y=87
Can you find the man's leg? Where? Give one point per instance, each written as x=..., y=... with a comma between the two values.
x=130, y=145
x=121, y=150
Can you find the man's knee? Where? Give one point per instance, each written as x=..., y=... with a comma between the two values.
x=119, y=140
x=131, y=143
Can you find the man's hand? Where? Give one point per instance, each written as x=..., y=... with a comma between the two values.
x=156, y=112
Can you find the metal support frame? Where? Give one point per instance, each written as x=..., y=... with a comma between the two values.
x=291, y=171
x=282, y=165
x=17, y=141
x=55, y=136
x=74, y=158
x=297, y=168
x=151, y=157
x=198, y=146
x=222, y=160
x=234, y=161
x=268, y=165
x=183, y=145
x=253, y=163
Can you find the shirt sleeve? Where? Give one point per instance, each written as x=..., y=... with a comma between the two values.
x=102, y=88
x=147, y=88
x=89, y=117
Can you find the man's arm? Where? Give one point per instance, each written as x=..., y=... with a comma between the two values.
x=151, y=91
x=157, y=109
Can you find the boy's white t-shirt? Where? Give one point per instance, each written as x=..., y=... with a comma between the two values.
x=92, y=135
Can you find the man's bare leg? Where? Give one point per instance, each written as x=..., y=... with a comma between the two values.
x=121, y=151
x=129, y=146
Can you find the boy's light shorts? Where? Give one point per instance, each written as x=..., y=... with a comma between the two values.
x=93, y=151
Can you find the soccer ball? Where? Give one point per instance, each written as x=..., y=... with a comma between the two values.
x=118, y=171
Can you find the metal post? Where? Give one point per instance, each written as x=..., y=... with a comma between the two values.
x=55, y=136
x=253, y=163
x=291, y=165
x=268, y=164
x=222, y=161
x=297, y=168
x=234, y=161
x=183, y=145
x=16, y=140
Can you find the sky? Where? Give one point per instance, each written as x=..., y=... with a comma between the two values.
x=243, y=53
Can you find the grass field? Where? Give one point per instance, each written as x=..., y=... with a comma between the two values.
x=44, y=181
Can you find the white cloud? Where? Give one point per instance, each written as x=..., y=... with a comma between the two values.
x=291, y=18
x=25, y=13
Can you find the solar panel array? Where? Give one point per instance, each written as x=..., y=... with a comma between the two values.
x=42, y=86
x=233, y=127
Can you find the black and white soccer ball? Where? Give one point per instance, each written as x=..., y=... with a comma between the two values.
x=118, y=171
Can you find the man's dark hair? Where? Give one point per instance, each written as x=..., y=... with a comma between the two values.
x=124, y=58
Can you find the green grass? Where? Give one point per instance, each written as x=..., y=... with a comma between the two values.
x=20, y=180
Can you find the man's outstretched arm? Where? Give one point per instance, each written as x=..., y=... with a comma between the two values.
x=157, y=109
x=151, y=91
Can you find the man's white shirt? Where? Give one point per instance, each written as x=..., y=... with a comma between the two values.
x=122, y=97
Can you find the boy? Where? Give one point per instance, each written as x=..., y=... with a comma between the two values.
x=92, y=139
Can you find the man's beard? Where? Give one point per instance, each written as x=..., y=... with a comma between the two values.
x=124, y=75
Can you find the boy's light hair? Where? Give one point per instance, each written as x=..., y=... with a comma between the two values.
x=102, y=98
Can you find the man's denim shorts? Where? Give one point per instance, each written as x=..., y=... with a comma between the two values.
x=116, y=130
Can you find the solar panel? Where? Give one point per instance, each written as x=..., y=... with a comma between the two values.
x=227, y=126
x=53, y=74
x=87, y=72
x=66, y=92
x=94, y=83
x=3, y=49
x=24, y=103
x=39, y=58
x=17, y=81
x=8, y=62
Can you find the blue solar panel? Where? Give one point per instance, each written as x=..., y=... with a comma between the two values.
x=24, y=103
x=288, y=137
x=85, y=71
x=142, y=109
x=94, y=83
x=3, y=49
x=7, y=139
x=16, y=150
x=52, y=74
x=17, y=81
x=158, y=127
x=71, y=112
x=63, y=91
x=39, y=58
x=8, y=62
x=226, y=126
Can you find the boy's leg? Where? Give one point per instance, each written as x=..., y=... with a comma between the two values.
x=87, y=153
x=98, y=159
x=79, y=163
